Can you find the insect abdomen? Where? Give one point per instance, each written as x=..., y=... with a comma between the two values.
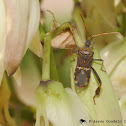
x=82, y=76
x=81, y=80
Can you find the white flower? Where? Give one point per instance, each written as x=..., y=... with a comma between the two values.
x=22, y=24
x=114, y=56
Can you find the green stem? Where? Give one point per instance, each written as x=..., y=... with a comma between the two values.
x=53, y=71
x=46, y=58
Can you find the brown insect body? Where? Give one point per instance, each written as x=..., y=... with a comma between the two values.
x=83, y=68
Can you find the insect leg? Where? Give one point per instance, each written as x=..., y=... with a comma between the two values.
x=78, y=48
x=73, y=59
x=102, y=63
x=97, y=91
x=74, y=52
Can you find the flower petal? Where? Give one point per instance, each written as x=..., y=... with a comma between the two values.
x=63, y=40
x=34, y=17
x=22, y=24
x=35, y=45
x=27, y=78
x=60, y=106
x=122, y=102
x=2, y=36
x=17, y=24
x=114, y=56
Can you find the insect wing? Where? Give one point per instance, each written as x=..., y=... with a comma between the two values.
x=81, y=79
x=82, y=71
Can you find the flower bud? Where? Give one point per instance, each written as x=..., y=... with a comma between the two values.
x=58, y=106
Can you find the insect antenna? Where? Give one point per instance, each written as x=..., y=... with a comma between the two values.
x=52, y=15
x=84, y=26
x=92, y=45
x=104, y=34
x=55, y=23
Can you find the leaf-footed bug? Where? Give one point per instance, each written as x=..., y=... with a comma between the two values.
x=84, y=61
